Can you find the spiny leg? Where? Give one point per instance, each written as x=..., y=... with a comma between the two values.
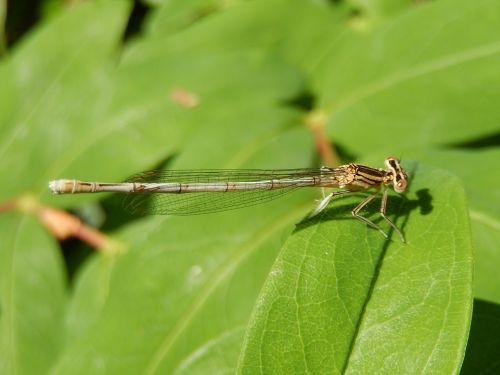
x=355, y=212
x=359, y=207
x=383, y=207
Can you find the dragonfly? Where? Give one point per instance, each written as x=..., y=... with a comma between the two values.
x=192, y=192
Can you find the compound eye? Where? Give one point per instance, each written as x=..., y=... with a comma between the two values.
x=400, y=186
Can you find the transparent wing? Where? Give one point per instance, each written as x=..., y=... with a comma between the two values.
x=194, y=203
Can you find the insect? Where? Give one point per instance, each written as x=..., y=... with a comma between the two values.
x=191, y=192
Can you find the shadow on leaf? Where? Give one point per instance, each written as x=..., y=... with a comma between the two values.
x=401, y=205
x=481, y=356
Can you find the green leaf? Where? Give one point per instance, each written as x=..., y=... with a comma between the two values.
x=298, y=30
x=3, y=36
x=375, y=11
x=418, y=85
x=181, y=295
x=482, y=350
x=176, y=15
x=486, y=235
x=483, y=192
x=226, y=90
x=55, y=92
x=32, y=297
x=89, y=295
x=342, y=299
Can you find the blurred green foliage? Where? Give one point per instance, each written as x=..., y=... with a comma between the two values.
x=99, y=90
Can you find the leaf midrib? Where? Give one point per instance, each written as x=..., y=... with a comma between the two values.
x=418, y=70
x=218, y=277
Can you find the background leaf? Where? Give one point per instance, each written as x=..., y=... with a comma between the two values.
x=483, y=193
x=39, y=75
x=422, y=85
x=482, y=349
x=101, y=90
x=186, y=280
x=33, y=296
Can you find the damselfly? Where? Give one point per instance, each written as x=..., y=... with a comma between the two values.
x=192, y=192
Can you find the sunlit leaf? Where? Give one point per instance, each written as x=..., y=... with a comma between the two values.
x=413, y=81
x=251, y=84
x=342, y=299
x=482, y=186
